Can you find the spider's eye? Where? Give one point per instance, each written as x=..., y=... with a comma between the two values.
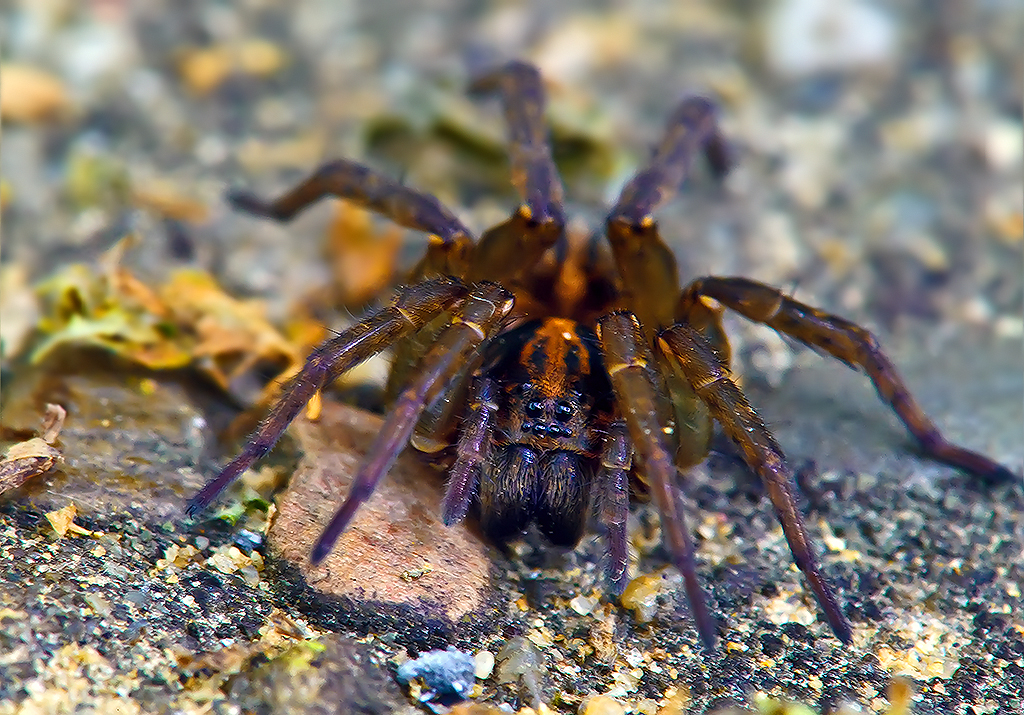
x=563, y=411
x=534, y=408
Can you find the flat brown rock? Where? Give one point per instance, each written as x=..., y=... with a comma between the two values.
x=132, y=441
x=396, y=553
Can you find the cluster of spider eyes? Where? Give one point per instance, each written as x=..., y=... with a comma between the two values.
x=563, y=413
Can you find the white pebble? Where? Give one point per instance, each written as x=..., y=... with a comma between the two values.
x=483, y=664
x=1004, y=144
x=583, y=605
x=804, y=37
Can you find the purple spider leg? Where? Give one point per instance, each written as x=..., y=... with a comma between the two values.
x=616, y=460
x=362, y=186
x=646, y=264
x=507, y=251
x=476, y=319
x=713, y=384
x=630, y=367
x=854, y=346
x=473, y=450
x=533, y=170
x=413, y=308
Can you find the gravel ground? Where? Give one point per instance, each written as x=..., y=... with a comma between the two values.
x=879, y=175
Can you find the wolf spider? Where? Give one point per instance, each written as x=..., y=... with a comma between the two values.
x=557, y=367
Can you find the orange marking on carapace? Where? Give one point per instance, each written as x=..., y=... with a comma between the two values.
x=555, y=338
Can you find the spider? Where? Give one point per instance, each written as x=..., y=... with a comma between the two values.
x=560, y=368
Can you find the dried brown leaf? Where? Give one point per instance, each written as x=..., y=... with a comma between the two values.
x=53, y=422
x=25, y=460
x=35, y=456
x=234, y=335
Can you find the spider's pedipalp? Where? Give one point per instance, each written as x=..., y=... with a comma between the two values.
x=411, y=309
x=473, y=451
x=713, y=384
x=362, y=186
x=629, y=362
x=562, y=497
x=647, y=268
x=616, y=460
x=852, y=345
x=479, y=315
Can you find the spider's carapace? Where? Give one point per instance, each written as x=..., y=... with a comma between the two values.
x=561, y=366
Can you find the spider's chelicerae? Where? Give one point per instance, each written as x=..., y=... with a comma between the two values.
x=559, y=368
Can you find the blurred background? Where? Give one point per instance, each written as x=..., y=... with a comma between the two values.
x=878, y=146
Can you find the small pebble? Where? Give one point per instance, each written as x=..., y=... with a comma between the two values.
x=809, y=36
x=603, y=705
x=483, y=664
x=248, y=540
x=136, y=597
x=30, y=94
x=1004, y=144
x=641, y=594
x=98, y=604
x=445, y=674
x=583, y=605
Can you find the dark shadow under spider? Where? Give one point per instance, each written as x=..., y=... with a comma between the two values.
x=560, y=367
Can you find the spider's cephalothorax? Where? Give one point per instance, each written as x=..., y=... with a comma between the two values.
x=561, y=366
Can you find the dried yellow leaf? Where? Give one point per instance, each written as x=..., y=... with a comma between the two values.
x=62, y=519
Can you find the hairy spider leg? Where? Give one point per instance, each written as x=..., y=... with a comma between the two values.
x=411, y=309
x=451, y=242
x=533, y=170
x=647, y=266
x=616, y=461
x=714, y=385
x=539, y=222
x=473, y=451
x=691, y=128
x=854, y=346
x=631, y=368
x=362, y=186
x=476, y=319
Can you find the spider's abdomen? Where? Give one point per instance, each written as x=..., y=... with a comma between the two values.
x=555, y=398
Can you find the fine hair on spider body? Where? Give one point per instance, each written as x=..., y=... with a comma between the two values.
x=561, y=367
